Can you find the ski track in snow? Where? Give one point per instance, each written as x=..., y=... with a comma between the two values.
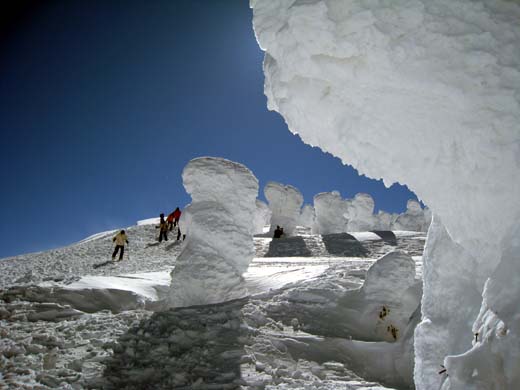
x=64, y=324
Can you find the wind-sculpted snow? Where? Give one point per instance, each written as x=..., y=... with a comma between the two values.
x=285, y=202
x=381, y=315
x=414, y=219
x=337, y=215
x=385, y=221
x=218, y=223
x=330, y=209
x=262, y=217
x=360, y=213
x=307, y=216
x=425, y=93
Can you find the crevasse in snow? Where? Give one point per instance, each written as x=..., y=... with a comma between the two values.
x=425, y=93
x=219, y=244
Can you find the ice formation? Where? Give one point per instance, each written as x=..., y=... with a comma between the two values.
x=360, y=213
x=413, y=219
x=262, y=217
x=424, y=93
x=285, y=202
x=387, y=299
x=384, y=220
x=307, y=216
x=333, y=214
x=330, y=208
x=219, y=243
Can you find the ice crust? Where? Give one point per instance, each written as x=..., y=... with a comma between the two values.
x=219, y=244
x=285, y=202
x=424, y=93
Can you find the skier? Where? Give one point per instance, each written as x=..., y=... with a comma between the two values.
x=278, y=232
x=163, y=226
x=176, y=215
x=120, y=239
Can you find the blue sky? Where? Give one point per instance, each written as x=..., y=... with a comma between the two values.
x=102, y=104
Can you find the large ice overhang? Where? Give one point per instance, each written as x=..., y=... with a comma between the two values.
x=424, y=93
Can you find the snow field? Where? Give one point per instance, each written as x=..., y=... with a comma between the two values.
x=138, y=340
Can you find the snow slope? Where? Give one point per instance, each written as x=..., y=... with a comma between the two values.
x=47, y=342
x=144, y=254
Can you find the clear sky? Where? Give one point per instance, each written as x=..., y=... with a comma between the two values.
x=103, y=102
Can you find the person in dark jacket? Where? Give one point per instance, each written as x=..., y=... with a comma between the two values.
x=163, y=226
x=278, y=232
x=120, y=239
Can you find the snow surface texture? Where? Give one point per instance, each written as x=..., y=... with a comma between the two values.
x=45, y=343
x=67, y=264
x=219, y=244
x=424, y=93
x=285, y=202
x=262, y=217
x=380, y=317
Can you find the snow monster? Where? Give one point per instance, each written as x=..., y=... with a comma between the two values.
x=219, y=233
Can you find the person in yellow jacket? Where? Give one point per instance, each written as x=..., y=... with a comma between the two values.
x=163, y=226
x=120, y=239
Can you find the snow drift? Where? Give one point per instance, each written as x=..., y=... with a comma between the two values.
x=219, y=244
x=424, y=93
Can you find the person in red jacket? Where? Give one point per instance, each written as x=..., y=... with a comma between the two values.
x=170, y=221
x=176, y=215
